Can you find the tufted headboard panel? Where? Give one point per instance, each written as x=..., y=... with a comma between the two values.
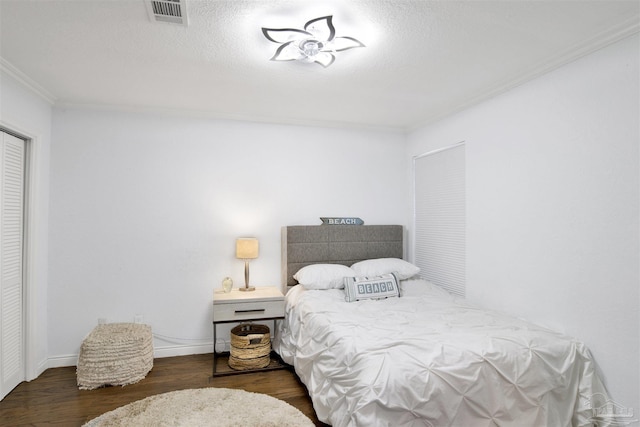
x=303, y=245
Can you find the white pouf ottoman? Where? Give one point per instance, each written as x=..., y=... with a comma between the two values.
x=115, y=354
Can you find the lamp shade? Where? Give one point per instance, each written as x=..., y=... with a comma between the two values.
x=247, y=248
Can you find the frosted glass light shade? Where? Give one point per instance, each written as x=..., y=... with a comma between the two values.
x=247, y=248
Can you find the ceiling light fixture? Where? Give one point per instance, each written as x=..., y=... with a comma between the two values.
x=317, y=42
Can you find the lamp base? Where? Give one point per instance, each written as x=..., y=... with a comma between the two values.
x=248, y=288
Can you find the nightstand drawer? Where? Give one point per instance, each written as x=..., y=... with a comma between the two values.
x=248, y=310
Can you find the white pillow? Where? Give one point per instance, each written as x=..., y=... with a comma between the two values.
x=379, y=266
x=323, y=276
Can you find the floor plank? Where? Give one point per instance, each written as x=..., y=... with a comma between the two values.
x=53, y=399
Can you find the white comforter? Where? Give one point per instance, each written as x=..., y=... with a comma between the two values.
x=429, y=359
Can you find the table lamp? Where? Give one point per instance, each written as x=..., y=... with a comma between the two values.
x=246, y=249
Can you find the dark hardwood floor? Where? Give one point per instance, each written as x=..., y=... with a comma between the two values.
x=53, y=399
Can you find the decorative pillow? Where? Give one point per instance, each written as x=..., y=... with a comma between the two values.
x=380, y=287
x=376, y=267
x=323, y=276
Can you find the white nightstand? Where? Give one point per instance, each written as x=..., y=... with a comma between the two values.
x=265, y=303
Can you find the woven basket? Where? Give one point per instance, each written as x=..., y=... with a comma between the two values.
x=250, y=347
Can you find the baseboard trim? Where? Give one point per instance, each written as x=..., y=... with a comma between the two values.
x=42, y=366
x=182, y=350
x=158, y=352
x=62, y=361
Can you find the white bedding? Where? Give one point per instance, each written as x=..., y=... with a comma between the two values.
x=429, y=359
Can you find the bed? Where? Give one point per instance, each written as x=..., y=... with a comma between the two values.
x=425, y=358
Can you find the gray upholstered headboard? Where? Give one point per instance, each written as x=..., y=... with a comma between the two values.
x=303, y=245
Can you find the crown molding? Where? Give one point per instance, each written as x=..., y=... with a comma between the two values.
x=217, y=115
x=585, y=47
x=26, y=81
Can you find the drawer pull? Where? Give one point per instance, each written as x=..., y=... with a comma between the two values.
x=261, y=310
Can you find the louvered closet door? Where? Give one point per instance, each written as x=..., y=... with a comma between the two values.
x=12, y=162
x=440, y=217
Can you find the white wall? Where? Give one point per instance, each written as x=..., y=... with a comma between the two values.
x=552, y=205
x=145, y=211
x=26, y=113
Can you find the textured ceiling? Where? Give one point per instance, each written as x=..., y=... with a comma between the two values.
x=423, y=60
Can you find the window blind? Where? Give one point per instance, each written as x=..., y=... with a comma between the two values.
x=440, y=217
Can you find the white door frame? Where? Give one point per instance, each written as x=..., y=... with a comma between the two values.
x=31, y=338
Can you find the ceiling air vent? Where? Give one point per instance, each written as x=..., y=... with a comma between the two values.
x=172, y=11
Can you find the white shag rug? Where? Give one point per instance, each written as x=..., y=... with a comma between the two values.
x=220, y=407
